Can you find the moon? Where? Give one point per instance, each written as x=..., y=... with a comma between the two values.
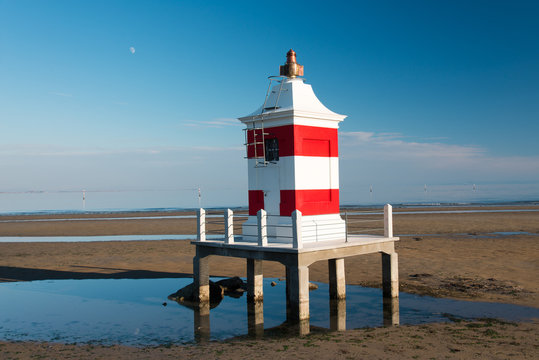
x=132, y=50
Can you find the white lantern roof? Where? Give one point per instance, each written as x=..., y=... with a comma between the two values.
x=292, y=101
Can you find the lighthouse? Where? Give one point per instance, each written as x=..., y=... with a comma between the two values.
x=293, y=161
x=292, y=156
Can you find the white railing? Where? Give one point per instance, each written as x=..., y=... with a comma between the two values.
x=296, y=237
x=367, y=222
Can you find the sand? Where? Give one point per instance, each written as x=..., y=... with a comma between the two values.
x=447, y=255
x=465, y=340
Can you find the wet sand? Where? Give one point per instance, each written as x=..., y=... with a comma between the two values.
x=458, y=257
x=464, y=340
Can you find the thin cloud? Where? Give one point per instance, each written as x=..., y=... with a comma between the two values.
x=215, y=123
x=372, y=149
x=56, y=151
x=393, y=144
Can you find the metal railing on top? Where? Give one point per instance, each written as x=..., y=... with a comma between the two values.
x=227, y=227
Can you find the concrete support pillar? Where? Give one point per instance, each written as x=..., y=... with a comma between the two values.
x=390, y=275
x=299, y=292
x=201, y=278
x=202, y=322
x=391, y=311
x=337, y=315
x=229, y=226
x=337, y=280
x=201, y=225
x=297, y=240
x=262, y=228
x=288, y=304
x=255, y=318
x=255, y=281
x=388, y=221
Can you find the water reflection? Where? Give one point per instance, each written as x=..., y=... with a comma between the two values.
x=337, y=314
x=202, y=323
x=131, y=312
x=255, y=318
x=391, y=311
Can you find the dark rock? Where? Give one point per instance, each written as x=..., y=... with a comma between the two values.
x=313, y=286
x=273, y=283
x=186, y=295
x=232, y=284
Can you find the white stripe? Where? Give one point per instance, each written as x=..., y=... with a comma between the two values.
x=295, y=173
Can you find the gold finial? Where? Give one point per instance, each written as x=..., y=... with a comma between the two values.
x=291, y=68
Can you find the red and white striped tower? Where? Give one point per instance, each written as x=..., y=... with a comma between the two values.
x=293, y=162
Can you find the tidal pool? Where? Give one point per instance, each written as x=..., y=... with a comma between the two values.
x=132, y=312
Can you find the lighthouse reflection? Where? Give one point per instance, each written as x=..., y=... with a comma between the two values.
x=290, y=327
x=255, y=318
x=202, y=322
x=337, y=315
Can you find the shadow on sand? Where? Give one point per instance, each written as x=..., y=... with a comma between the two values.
x=9, y=274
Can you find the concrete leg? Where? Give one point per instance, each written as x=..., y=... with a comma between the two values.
x=202, y=322
x=288, y=309
x=255, y=281
x=255, y=318
x=299, y=292
x=337, y=280
x=337, y=315
x=390, y=275
x=391, y=311
x=201, y=278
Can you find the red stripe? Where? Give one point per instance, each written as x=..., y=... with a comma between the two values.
x=295, y=140
x=256, y=201
x=309, y=202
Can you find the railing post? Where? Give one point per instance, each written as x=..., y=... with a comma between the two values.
x=262, y=229
x=346, y=226
x=388, y=221
x=229, y=227
x=201, y=225
x=297, y=241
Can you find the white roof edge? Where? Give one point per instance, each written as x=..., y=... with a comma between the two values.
x=294, y=113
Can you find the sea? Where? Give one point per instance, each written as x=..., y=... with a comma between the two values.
x=106, y=201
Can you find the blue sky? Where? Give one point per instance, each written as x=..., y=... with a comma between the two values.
x=444, y=93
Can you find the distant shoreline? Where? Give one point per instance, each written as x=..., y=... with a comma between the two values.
x=424, y=205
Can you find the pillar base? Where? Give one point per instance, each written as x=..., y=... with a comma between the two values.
x=390, y=275
x=298, y=292
x=255, y=281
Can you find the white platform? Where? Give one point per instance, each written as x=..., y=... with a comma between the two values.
x=247, y=244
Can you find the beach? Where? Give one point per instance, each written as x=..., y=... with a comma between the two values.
x=482, y=253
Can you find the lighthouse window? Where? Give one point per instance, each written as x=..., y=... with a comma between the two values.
x=272, y=149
